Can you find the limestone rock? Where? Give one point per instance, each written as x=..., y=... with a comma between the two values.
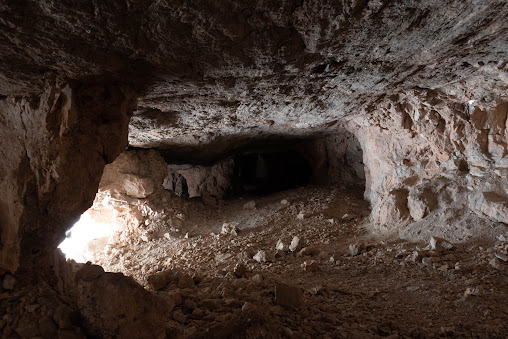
x=393, y=209
x=280, y=246
x=114, y=305
x=490, y=204
x=160, y=280
x=296, y=244
x=439, y=244
x=260, y=256
x=288, y=296
x=231, y=229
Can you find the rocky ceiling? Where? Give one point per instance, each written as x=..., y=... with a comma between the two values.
x=208, y=71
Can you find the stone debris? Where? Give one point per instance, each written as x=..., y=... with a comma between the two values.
x=257, y=278
x=288, y=296
x=354, y=250
x=8, y=282
x=185, y=281
x=473, y=291
x=309, y=251
x=280, y=246
x=230, y=229
x=248, y=306
x=427, y=261
x=439, y=244
x=160, y=280
x=502, y=257
x=310, y=266
x=503, y=238
x=303, y=215
x=260, y=256
x=240, y=270
x=251, y=205
x=284, y=202
x=295, y=244
x=347, y=217
x=224, y=283
x=495, y=263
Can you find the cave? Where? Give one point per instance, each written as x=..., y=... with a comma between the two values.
x=267, y=172
x=247, y=169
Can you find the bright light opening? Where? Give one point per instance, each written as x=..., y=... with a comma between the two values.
x=86, y=237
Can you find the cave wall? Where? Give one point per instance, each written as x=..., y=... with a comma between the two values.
x=54, y=148
x=336, y=159
x=437, y=157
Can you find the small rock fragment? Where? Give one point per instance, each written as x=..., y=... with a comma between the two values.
x=231, y=229
x=427, y=261
x=179, y=316
x=502, y=238
x=309, y=251
x=288, y=296
x=311, y=266
x=257, y=278
x=473, y=291
x=160, y=280
x=251, y=205
x=248, y=306
x=439, y=244
x=280, y=246
x=186, y=281
x=303, y=215
x=9, y=282
x=494, y=262
x=260, y=257
x=354, y=250
x=295, y=244
x=284, y=202
x=240, y=270
x=502, y=257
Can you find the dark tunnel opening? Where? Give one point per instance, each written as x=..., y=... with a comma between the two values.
x=265, y=166
x=263, y=173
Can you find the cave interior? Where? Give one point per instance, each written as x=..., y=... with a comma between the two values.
x=248, y=169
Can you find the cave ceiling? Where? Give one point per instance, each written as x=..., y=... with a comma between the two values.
x=208, y=72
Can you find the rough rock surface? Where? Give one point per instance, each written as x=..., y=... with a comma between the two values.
x=417, y=90
x=115, y=306
x=54, y=149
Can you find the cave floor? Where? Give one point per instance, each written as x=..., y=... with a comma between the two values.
x=354, y=283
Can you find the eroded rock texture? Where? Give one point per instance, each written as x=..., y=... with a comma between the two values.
x=421, y=84
x=54, y=149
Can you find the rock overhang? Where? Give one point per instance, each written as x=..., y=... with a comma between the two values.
x=208, y=70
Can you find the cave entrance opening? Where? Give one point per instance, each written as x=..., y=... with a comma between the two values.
x=89, y=234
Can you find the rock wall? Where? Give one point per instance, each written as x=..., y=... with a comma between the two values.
x=336, y=159
x=197, y=181
x=54, y=149
x=431, y=159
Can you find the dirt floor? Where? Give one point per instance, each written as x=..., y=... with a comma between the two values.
x=228, y=271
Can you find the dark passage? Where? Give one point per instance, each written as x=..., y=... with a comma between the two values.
x=268, y=172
